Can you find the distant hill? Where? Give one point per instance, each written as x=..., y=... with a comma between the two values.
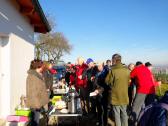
x=160, y=66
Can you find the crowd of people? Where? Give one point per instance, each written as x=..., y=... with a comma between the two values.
x=101, y=87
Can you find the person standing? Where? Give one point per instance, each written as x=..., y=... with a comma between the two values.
x=81, y=84
x=156, y=83
x=68, y=72
x=132, y=87
x=36, y=91
x=90, y=74
x=97, y=96
x=72, y=76
x=48, y=73
x=145, y=89
x=118, y=79
x=104, y=99
x=108, y=65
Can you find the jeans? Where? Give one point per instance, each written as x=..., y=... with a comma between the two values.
x=120, y=115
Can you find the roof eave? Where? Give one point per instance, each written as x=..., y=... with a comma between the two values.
x=41, y=14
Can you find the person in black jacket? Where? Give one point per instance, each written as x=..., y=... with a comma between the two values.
x=101, y=82
x=68, y=72
x=90, y=73
x=108, y=65
x=156, y=114
x=101, y=89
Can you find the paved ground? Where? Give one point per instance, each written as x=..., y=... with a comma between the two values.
x=2, y=122
x=84, y=121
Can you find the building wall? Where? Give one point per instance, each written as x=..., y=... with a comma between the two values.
x=4, y=76
x=17, y=55
x=11, y=21
x=22, y=52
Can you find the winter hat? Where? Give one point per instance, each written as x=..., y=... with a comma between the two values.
x=89, y=60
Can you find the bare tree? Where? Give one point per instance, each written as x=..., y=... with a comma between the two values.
x=60, y=46
x=42, y=46
x=53, y=46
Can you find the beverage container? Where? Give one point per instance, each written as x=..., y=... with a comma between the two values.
x=72, y=103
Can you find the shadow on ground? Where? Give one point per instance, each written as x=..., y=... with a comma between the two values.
x=71, y=121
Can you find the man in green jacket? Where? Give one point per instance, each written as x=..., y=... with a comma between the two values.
x=118, y=79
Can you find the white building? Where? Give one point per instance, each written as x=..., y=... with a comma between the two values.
x=19, y=19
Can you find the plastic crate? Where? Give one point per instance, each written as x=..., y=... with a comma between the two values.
x=55, y=99
x=23, y=112
x=17, y=123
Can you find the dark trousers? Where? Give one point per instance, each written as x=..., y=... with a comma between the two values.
x=130, y=94
x=35, y=117
x=105, y=114
x=93, y=105
x=100, y=111
x=84, y=96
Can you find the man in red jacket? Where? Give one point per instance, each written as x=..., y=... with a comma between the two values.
x=81, y=84
x=145, y=88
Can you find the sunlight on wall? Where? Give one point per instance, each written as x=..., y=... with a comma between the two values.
x=5, y=77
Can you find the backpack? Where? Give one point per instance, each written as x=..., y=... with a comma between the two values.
x=155, y=114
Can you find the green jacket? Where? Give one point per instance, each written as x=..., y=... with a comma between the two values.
x=118, y=79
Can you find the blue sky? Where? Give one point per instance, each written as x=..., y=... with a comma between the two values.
x=137, y=29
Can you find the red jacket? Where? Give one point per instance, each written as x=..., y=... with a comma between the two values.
x=79, y=72
x=144, y=80
x=52, y=71
x=72, y=79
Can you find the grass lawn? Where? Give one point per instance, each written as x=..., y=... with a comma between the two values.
x=160, y=90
